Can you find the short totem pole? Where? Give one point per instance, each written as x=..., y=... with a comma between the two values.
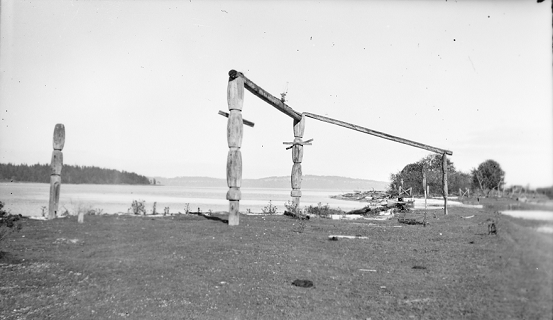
x=55, y=173
x=297, y=157
x=235, y=99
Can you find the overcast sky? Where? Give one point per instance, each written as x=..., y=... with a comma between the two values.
x=138, y=84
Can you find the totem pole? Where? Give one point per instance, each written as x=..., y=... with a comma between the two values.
x=55, y=173
x=235, y=99
x=297, y=157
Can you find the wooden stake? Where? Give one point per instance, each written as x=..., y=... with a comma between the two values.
x=235, y=99
x=444, y=180
x=424, y=188
x=56, y=165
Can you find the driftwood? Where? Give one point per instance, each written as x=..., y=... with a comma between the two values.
x=336, y=237
x=410, y=221
x=295, y=215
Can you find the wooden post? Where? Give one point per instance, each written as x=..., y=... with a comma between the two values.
x=400, y=188
x=235, y=99
x=444, y=180
x=297, y=157
x=56, y=165
x=424, y=190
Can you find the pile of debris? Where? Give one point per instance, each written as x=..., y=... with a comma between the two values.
x=363, y=196
x=378, y=201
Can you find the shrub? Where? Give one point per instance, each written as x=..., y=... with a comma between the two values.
x=269, y=209
x=138, y=207
x=323, y=211
x=9, y=223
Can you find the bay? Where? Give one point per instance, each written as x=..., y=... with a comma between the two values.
x=29, y=199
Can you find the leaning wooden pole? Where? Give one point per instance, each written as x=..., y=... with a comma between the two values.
x=55, y=170
x=376, y=133
x=444, y=180
x=297, y=157
x=235, y=99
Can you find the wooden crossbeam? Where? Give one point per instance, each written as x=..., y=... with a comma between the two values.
x=284, y=108
x=246, y=122
x=377, y=133
x=299, y=143
x=265, y=96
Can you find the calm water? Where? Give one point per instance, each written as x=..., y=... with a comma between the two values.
x=29, y=198
x=530, y=214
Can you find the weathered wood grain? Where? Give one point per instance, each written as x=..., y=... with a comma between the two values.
x=235, y=101
x=55, y=188
x=56, y=165
x=297, y=153
x=233, y=213
x=234, y=129
x=234, y=194
x=265, y=96
x=299, y=127
x=296, y=176
x=235, y=94
x=56, y=162
x=295, y=193
x=246, y=122
x=234, y=168
x=59, y=137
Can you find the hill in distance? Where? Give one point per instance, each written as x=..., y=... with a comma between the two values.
x=309, y=182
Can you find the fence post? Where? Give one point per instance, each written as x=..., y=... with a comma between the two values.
x=444, y=180
x=56, y=165
x=424, y=189
x=235, y=100
x=297, y=157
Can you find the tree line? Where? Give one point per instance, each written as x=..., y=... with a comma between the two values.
x=486, y=177
x=70, y=174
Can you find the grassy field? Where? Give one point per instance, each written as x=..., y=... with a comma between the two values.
x=194, y=267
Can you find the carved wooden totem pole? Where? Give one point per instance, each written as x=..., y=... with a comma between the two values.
x=297, y=157
x=235, y=99
x=55, y=173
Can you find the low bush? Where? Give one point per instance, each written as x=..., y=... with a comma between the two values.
x=9, y=223
x=138, y=207
x=323, y=211
x=269, y=209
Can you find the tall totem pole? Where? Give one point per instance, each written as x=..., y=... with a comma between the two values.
x=55, y=172
x=235, y=99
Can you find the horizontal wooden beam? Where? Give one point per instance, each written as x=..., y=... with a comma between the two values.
x=246, y=122
x=265, y=96
x=377, y=133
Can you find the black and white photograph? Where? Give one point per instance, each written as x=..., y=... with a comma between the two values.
x=209, y=159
